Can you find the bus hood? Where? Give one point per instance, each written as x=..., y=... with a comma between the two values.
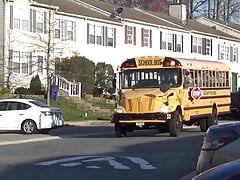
x=144, y=100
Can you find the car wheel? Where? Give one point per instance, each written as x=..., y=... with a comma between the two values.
x=29, y=127
x=203, y=125
x=120, y=131
x=175, y=124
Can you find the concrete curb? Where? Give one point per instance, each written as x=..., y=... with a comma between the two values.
x=89, y=123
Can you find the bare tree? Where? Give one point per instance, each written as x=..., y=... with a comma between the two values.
x=44, y=43
x=225, y=10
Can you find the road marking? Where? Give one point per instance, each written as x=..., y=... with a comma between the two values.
x=85, y=160
x=29, y=140
x=141, y=162
x=47, y=163
x=110, y=160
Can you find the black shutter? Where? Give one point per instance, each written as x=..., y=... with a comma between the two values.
x=237, y=56
x=88, y=33
x=30, y=63
x=103, y=36
x=204, y=46
x=160, y=39
x=74, y=31
x=115, y=38
x=191, y=43
x=174, y=42
x=218, y=51
x=31, y=20
x=11, y=17
x=231, y=54
x=211, y=46
x=182, y=43
x=106, y=36
x=45, y=23
x=34, y=21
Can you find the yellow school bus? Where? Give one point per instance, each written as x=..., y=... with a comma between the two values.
x=164, y=93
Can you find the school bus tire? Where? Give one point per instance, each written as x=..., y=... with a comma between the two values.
x=175, y=124
x=120, y=131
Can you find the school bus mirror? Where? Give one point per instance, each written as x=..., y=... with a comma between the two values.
x=187, y=84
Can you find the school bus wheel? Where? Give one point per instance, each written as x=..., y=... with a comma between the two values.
x=175, y=124
x=210, y=120
x=120, y=131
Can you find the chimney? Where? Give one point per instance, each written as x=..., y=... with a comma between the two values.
x=178, y=10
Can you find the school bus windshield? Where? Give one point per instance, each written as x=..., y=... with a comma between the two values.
x=150, y=78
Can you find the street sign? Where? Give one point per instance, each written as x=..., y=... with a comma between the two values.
x=196, y=93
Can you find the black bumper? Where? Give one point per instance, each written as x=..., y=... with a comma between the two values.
x=134, y=117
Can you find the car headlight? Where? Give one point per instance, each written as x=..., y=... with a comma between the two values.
x=118, y=110
x=164, y=109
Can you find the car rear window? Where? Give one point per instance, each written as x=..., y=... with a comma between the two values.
x=40, y=104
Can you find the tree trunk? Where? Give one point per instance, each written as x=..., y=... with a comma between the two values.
x=209, y=9
x=228, y=10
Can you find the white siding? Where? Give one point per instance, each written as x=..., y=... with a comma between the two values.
x=27, y=41
x=2, y=20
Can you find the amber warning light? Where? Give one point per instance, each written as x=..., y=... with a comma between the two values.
x=130, y=63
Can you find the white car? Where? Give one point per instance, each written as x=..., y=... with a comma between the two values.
x=28, y=116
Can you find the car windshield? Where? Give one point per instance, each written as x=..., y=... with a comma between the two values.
x=40, y=104
x=151, y=78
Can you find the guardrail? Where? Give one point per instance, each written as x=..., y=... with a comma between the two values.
x=71, y=88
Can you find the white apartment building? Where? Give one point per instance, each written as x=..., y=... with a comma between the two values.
x=29, y=28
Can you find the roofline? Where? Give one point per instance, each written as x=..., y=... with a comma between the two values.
x=217, y=36
x=34, y=3
x=101, y=11
x=154, y=25
x=88, y=18
x=159, y=18
x=215, y=22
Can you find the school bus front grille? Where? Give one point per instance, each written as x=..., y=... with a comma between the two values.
x=139, y=105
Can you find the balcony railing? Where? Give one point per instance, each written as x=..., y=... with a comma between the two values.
x=70, y=88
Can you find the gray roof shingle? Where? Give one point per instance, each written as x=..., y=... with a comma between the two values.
x=102, y=10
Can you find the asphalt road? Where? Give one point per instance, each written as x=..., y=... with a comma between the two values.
x=88, y=153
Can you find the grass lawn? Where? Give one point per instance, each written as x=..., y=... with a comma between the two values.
x=73, y=113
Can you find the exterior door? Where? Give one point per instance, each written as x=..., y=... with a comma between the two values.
x=234, y=82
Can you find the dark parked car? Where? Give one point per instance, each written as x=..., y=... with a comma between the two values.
x=221, y=144
x=235, y=104
x=227, y=171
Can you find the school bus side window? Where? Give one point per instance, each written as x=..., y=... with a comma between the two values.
x=210, y=79
x=188, y=78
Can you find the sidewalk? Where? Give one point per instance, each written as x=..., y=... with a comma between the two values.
x=89, y=123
